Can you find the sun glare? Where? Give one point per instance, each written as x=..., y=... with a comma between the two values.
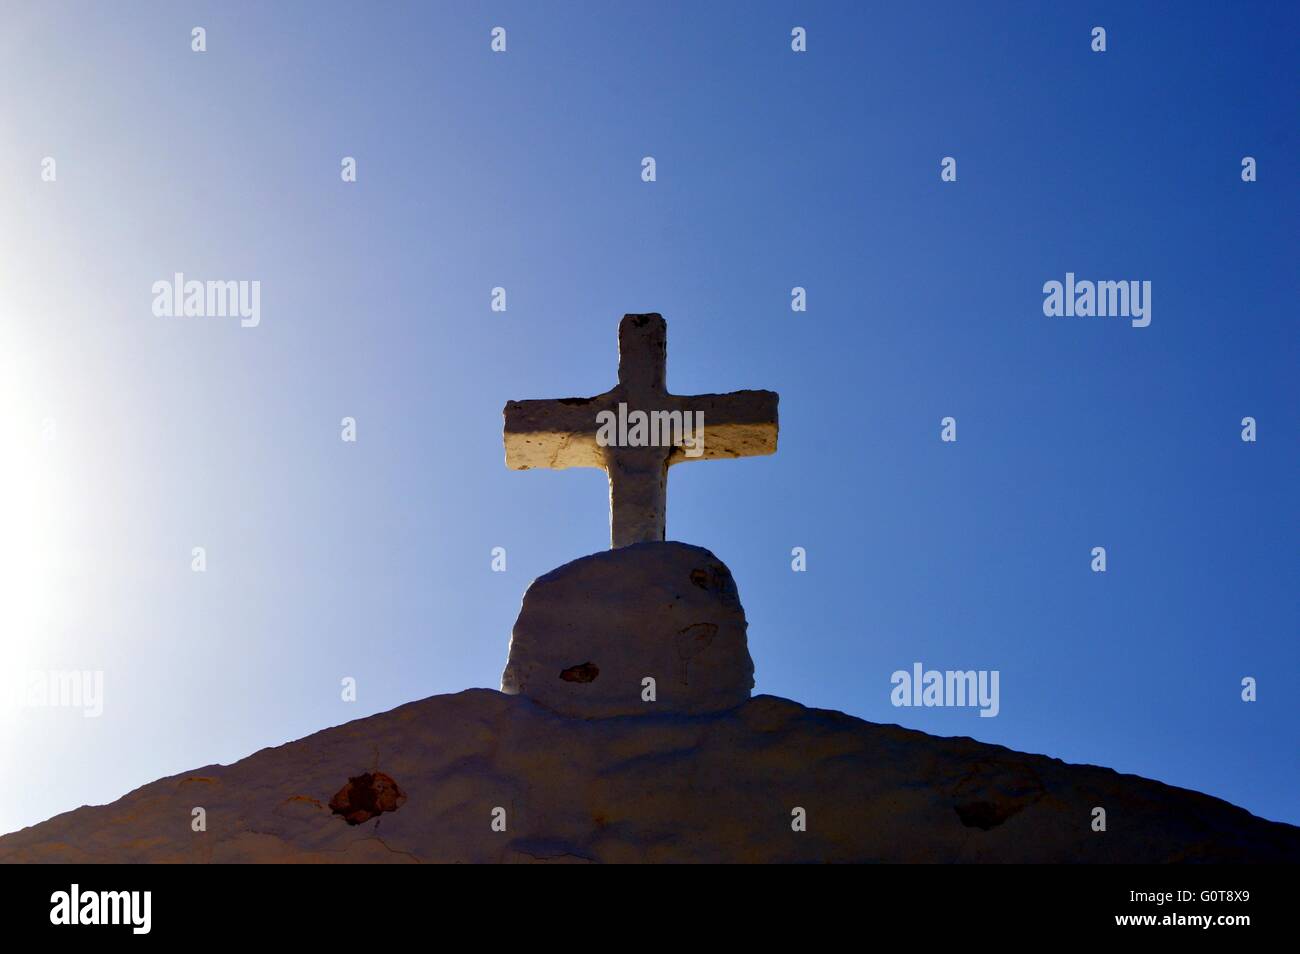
x=28, y=500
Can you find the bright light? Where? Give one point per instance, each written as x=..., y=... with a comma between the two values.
x=28, y=518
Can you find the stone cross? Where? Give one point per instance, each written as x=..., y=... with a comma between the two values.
x=563, y=432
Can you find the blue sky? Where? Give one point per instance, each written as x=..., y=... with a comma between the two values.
x=372, y=560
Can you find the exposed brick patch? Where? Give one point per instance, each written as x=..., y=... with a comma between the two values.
x=366, y=796
x=587, y=672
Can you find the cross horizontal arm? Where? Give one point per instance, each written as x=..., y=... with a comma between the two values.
x=739, y=424
x=552, y=433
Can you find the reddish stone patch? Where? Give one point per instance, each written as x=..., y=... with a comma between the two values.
x=587, y=672
x=367, y=796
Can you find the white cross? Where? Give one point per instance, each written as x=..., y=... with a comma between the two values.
x=562, y=433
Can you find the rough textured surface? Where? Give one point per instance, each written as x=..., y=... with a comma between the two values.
x=562, y=433
x=659, y=788
x=590, y=632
